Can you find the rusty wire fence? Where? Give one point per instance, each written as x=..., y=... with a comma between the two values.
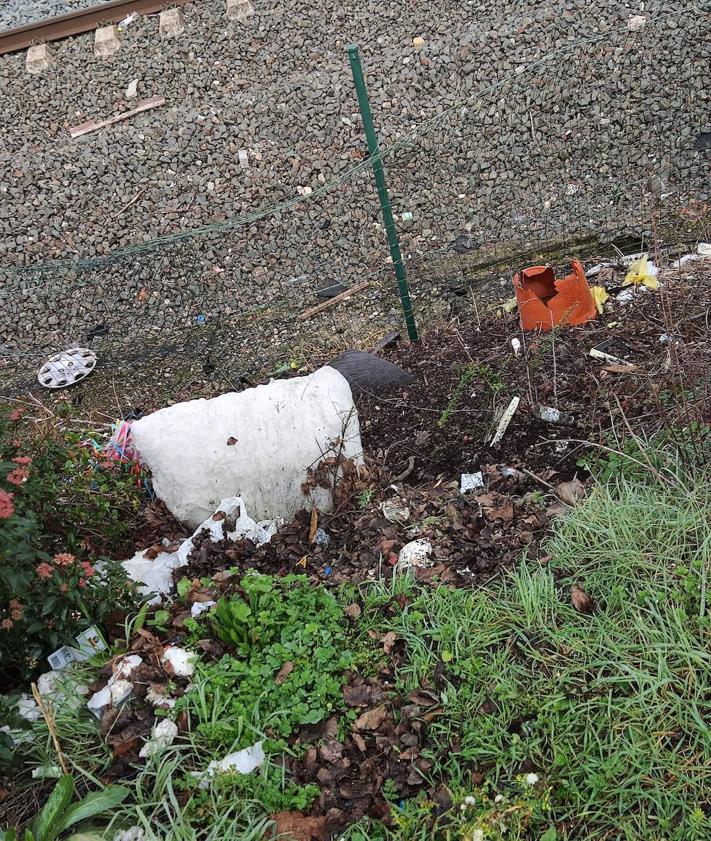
x=585, y=150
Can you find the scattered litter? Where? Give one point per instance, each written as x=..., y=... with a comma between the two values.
x=127, y=21
x=703, y=249
x=241, y=762
x=132, y=89
x=506, y=419
x=122, y=668
x=395, y=511
x=99, y=701
x=642, y=272
x=89, y=642
x=155, y=575
x=628, y=295
x=510, y=305
x=158, y=699
x=162, y=735
x=666, y=339
x=47, y=772
x=551, y=415
x=321, y=538
x=27, y=708
x=516, y=345
x=243, y=158
x=511, y=473
x=600, y=295
x=93, y=125
x=415, y=554
x=304, y=191
x=598, y=267
x=332, y=290
x=544, y=302
x=682, y=261
x=608, y=357
x=60, y=687
x=359, y=287
x=182, y=662
x=418, y=42
x=134, y=833
x=471, y=482
x=199, y=608
x=120, y=691
x=200, y=320
x=67, y=368
x=406, y=216
x=370, y=374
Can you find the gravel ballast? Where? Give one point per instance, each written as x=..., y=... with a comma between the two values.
x=572, y=124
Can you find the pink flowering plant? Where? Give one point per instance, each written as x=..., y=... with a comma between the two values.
x=54, y=528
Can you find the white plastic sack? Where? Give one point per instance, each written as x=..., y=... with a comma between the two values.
x=257, y=444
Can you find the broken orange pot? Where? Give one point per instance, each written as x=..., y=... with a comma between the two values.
x=544, y=302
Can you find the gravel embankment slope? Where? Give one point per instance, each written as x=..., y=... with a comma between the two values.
x=568, y=145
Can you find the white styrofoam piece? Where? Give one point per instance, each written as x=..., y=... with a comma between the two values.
x=281, y=429
x=162, y=735
x=61, y=687
x=99, y=701
x=120, y=691
x=156, y=576
x=200, y=607
x=27, y=708
x=181, y=661
x=126, y=665
x=240, y=762
x=416, y=553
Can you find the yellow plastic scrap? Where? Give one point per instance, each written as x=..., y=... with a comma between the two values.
x=642, y=274
x=600, y=295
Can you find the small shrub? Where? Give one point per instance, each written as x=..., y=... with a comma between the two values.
x=60, y=508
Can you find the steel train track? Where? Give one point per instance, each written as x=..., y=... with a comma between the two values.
x=74, y=23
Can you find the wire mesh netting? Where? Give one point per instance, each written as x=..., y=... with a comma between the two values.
x=540, y=165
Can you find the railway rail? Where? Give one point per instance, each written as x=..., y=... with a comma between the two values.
x=74, y=23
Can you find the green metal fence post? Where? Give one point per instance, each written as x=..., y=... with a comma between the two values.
x=383, y=195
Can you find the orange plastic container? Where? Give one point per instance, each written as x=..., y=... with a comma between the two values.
x=544, y=302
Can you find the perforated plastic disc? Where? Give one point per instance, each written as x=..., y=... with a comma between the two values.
x=67, y=368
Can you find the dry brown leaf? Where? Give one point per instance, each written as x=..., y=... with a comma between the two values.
x=231, y=441
x=504, y=513
x=371, y=719
x=313, y=526
x=359, y=742
x=353, y=611
x=284, y=673
x=389, y=641
x=582, y=602
x=571, y=492
x=299, y=827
